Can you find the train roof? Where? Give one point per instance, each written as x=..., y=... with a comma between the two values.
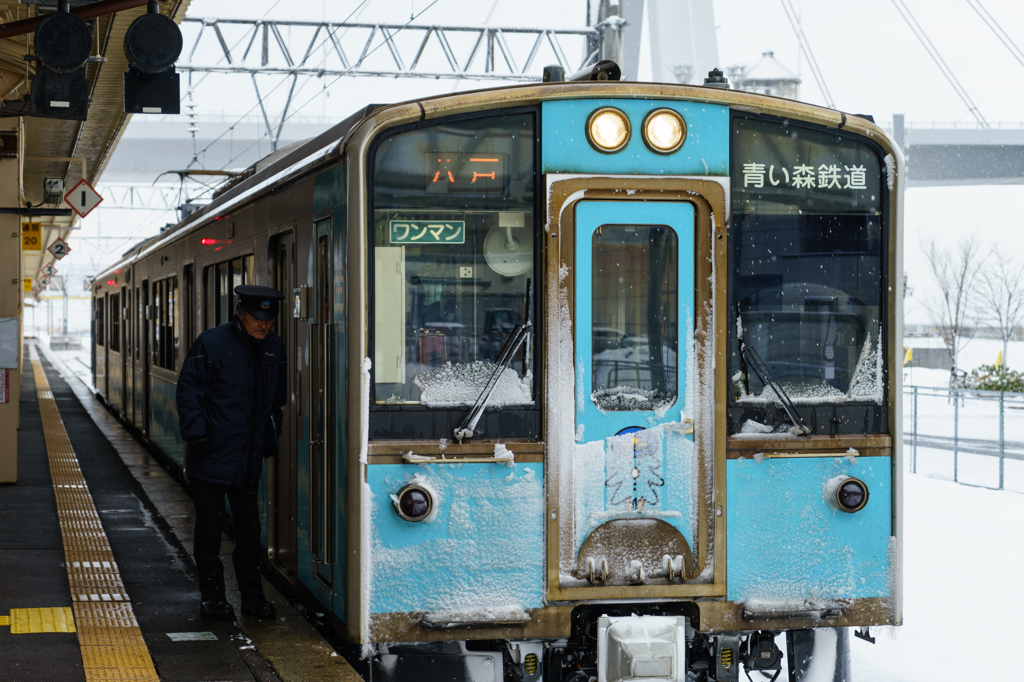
x=274, y=164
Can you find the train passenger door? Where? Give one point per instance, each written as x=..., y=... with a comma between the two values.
x=321, y=484
x=127, y=359
x=122, y=315
x=144, y=356
x=137, y=314
x=106, y=347
x=282, y=527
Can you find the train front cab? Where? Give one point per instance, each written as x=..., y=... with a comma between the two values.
x=636, y=485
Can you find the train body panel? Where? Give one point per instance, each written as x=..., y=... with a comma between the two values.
x=789, y=544
x=674, y=361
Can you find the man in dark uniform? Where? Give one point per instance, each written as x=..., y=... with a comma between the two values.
x=231, y=390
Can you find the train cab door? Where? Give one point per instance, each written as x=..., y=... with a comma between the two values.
x=281, y=478
x=633, y=312
x=321, y=429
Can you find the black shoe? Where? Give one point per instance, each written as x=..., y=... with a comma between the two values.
x=259, y=607
x=221, y=610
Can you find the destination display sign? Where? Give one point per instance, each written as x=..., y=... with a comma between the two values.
x=793, y=168
x=825, y=176
x=459, y=173
x=427, y=232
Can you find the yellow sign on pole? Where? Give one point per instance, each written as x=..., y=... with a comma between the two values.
x=27, y=283
x=31, y=236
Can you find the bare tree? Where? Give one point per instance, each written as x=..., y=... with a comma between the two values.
x=955, y=273
x=1000, y=291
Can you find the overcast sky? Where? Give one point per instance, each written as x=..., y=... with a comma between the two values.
x=870, y=60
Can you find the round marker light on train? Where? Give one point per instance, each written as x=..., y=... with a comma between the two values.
x=414, y=503
x=852, y=495
x=664, y=131
x=608, y=130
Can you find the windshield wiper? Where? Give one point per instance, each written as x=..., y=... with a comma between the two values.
x=520, y=334
x=753, y=360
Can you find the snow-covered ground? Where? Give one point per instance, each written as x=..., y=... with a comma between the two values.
x=963, y=588
x=975, y=353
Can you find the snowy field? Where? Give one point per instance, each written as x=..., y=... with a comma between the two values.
x=963, y=584
x=975, y=352
x=963, y=588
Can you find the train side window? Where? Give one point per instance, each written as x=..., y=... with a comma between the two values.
x=127, y=322
x=188, y=298
x=635, y=313
x=165, y=323
x=209, y=297
x=115, y=323
x=154, y=323
x=220, y=281
x=98, y=321
x=223, y=292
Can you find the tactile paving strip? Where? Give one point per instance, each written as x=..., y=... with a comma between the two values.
x=110, y=638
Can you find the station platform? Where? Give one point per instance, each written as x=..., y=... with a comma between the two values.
x=98, y=581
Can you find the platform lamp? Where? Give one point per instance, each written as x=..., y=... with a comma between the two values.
x=59, y=88
x=152, y=44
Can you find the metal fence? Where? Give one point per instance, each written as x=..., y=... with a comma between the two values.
x=967, y=436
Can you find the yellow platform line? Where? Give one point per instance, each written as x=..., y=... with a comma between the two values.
x=110, y=638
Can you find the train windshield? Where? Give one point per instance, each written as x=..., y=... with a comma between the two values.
x=453, y=258
x=806, y=268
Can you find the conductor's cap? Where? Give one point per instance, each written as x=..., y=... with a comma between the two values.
x=260, y=302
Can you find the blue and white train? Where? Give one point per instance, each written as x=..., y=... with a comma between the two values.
x=587, y=380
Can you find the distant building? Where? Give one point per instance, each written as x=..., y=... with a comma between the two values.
x=766, y=77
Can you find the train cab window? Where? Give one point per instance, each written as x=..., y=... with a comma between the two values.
x=453, y=235
x=98, y=320
x=115, y=323
x=806, y=275
x=634, y=311
x=165, y=321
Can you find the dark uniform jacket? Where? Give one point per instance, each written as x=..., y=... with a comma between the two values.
x=231, y=389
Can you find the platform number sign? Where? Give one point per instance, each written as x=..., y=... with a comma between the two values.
x=83, y=198
x=32, y=237
x=59, y=248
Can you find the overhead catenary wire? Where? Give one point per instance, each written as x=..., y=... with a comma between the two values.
x=260, y=100
x=933, y=52
x=805, y=47
x=339, y=77
x=994, y=26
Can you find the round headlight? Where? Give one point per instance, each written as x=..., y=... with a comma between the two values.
x=414, y=503
x=608, y=130
x=852, y=495
x=664, y=131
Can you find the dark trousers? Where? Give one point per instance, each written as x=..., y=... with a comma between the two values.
x=209, y=501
